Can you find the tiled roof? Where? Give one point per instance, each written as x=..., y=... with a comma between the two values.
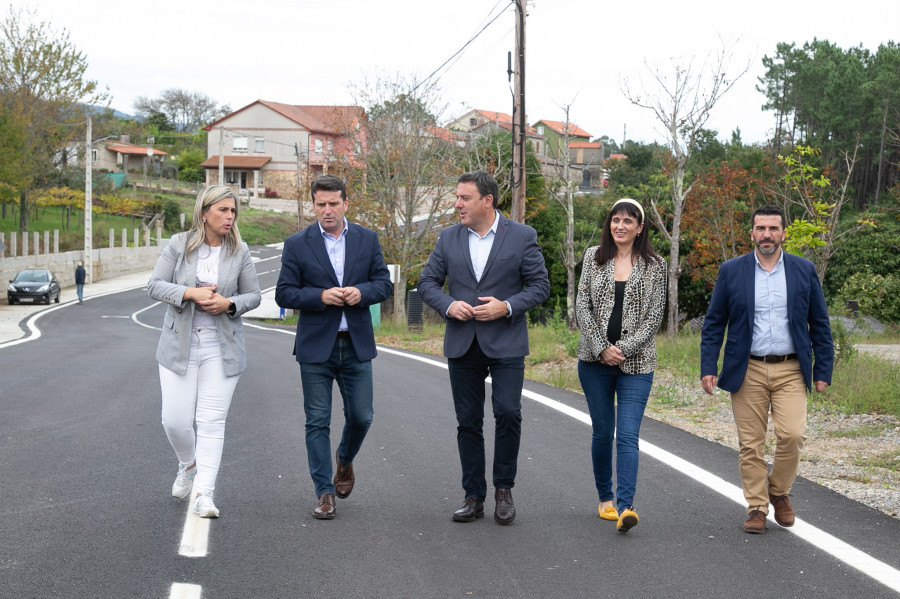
x=498, y=117
x=133, y=149
x=560, y=128
x=237, y=161
x=339, y=120
x=596, y=145
x=444, y=134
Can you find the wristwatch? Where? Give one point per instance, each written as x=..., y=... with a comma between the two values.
x=231, y=309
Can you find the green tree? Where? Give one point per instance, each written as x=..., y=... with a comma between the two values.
x=44, y=91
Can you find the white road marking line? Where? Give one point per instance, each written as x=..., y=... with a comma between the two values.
x=865, y=563
x=180, y=590
x=195, y=536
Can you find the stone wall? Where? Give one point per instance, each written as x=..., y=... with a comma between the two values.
x=108, y=263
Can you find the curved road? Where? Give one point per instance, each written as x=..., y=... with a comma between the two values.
x=85, y=509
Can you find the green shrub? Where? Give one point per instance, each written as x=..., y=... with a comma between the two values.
x=878, y=295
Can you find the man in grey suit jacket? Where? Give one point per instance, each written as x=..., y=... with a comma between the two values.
x=331, y=272
x=497, y=274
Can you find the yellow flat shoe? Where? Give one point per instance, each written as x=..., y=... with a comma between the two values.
x=608, y=513
x=627, y=520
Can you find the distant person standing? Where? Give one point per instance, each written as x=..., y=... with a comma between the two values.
x=497, y=273
x=332, y=271
x=207, y=280
x=772, y=305
x=79, y=282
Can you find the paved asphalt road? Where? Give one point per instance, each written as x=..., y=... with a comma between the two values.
x=85, y=509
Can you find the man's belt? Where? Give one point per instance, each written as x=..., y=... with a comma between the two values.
x=773, y=358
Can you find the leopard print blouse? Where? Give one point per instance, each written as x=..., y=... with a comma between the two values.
x=642, y=311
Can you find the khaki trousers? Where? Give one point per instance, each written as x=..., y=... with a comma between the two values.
x=781, y=388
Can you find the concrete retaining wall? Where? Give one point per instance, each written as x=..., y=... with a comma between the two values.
x=108, y=263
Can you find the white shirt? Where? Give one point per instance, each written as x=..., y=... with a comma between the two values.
x=207, y=274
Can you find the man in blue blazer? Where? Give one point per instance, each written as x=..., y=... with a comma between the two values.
x=497, y=274
x=772, y=304
x=331, y=272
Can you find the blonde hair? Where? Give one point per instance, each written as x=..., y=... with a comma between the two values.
x=206, y=198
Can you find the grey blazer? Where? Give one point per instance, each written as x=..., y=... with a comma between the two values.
x=173, y=275
x=514, y=273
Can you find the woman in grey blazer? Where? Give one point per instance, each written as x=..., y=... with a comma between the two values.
x=208, y=280
x=621, y=298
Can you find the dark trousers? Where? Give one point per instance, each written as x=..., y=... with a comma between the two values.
x=467, y=379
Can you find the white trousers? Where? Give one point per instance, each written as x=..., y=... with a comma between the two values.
x=200, y=398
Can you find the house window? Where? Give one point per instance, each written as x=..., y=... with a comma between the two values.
x=259, y=179
x=318, y=146
x=239, y=144
x=94, y=155
x=331, y=146
x=540, y=129
x=260, y=145
x=232, y=177
x=473, y=122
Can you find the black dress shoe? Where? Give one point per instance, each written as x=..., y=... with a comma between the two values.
x=473, y=508
x=505, y=511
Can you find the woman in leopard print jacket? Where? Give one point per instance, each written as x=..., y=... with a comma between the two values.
x=620, y=305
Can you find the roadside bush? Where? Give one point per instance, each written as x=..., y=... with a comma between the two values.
x=172, y=211
x=878, y=295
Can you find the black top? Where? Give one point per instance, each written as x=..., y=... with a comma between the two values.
x=614, y=328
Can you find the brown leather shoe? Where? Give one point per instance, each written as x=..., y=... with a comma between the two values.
x=784, y=511
x=505, y=511
x=343, y=478
x=325, y=508
x=471, y=509
x=756, y=523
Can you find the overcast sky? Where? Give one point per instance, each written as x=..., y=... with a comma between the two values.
x=577, y=51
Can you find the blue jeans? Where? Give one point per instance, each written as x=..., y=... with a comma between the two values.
x=604, y=386
x=354, y=379
x=79, y=289
x=467, y=380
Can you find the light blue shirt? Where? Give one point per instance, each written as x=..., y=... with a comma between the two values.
x=336, y=249
x=771, y=334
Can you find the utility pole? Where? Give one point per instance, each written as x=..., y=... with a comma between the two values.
x=221, y=155
x=88, y=207
x=518, y=125
x=300, y=190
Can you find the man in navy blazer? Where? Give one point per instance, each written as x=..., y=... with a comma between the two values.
x=331, y=272
x=772, y=304
x=497, y=273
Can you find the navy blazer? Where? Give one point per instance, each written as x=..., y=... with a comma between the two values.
x=514, y=273
x=732, y=305
x=306, y=271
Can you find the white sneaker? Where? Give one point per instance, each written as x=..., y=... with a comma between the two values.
x=185, y=480
x=204, y=506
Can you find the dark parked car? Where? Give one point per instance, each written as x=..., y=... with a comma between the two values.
x=33, y=285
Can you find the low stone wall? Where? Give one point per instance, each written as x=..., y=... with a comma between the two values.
x=108, y=263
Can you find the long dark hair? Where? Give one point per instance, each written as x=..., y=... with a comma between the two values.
x=641, y=247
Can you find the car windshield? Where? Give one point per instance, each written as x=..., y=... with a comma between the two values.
x=33, y=276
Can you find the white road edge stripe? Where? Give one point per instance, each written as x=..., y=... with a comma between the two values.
x=180, y=590
x=195, y=536
x=865, y=563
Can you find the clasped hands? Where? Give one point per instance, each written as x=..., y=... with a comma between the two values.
x=612, y=356
x=207, y=299
x=491, y=309
x=341, y=296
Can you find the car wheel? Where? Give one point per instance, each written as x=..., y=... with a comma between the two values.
x=11, y=301
x=57, y=297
